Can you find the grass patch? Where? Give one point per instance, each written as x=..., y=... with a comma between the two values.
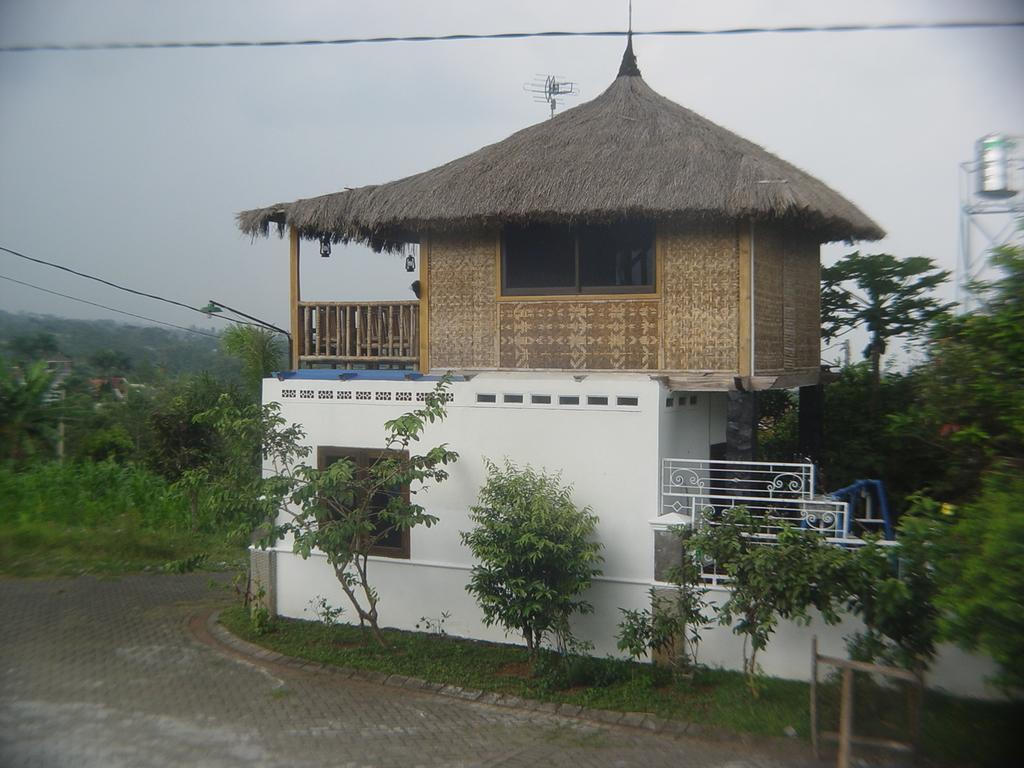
x=65, y=519
x=51, y=549
x=955, y=731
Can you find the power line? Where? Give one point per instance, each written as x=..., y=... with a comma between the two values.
x=459, y=37
x=112, y=309
x=118, y=287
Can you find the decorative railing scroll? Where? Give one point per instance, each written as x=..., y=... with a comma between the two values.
x=776, y=494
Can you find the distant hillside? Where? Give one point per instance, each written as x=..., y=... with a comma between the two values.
x=152, y=352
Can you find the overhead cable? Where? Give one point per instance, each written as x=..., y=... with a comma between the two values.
x=117, y=286
x=112, y=309
x=459, y=37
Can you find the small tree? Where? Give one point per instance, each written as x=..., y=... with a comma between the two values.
x=672, y=625
x=796, y=572
x=27, y=418
x=969, y=407
x=979, y=570
x=892, y=590
x=342, y=511
x=258, y=349
x=893, y=299
x=535, y=551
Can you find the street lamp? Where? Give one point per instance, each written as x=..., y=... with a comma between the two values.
x=214, y=307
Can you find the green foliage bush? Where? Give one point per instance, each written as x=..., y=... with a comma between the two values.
x=892, y=590
x=89, y=494
x=535, y=553
x=799, y=571
x=980, y=569
x=672, y=625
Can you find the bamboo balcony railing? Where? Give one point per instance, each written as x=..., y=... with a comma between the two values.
x=363, y=332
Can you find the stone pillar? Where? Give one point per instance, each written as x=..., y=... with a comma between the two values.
x=741, y=426
x=667, y=554
x=811, y=421
x=262, y=577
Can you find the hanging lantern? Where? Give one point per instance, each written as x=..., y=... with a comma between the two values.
x=325, y=246
x=410, y=262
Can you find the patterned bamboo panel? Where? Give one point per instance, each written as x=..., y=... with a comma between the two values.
x=770, y=305
x=463, y=312
x=700, y=289
x=579, y=335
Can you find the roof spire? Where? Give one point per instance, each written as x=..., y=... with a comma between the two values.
x=628, y=67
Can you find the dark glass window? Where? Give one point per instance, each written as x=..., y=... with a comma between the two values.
x=390, y=541
x=540, y=257
x=558, y=260
x=616, y=257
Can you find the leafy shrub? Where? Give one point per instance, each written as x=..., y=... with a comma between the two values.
x=89, y=495
x=535, y=551
x=673, y=623
x=797, y=572
x=892, y=590
x=980, y=569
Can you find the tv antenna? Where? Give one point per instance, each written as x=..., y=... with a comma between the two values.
x=550, y=89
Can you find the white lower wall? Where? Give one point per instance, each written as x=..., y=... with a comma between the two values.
x=610, y=453
x=412, y=590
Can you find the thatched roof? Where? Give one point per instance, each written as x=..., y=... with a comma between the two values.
x=628, y=153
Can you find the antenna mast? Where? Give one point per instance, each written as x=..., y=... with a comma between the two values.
x=550, y=89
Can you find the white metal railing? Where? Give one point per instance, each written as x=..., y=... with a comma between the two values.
x=776, y=494
x=686, y=482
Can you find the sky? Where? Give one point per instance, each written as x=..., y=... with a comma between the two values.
x=131, y=165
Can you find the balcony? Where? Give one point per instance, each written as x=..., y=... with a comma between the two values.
x=366, y=334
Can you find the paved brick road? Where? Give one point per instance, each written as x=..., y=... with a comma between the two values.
x=107, y=673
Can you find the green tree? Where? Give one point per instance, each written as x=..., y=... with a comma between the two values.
x=970, y=405
x=345, y=510
x=890, y=296
x=33, y=346
x=672, y=625
x=27, y=417
x=980, y=572
x=768, y=581
x=893, y=593
x=110, y=362
x=183, y=449
x=259, y=351
x=535, y=553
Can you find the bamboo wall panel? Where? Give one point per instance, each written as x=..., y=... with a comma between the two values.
x=769, y=301
x=463, y=312
x=787, y=300
x=803, y=273
x=701, y=297
x=578, y=335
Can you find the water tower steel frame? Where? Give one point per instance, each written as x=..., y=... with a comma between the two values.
x=988, y=219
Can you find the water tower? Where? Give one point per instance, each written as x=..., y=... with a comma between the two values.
x=991, y=205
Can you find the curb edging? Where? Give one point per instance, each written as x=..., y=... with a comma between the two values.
x=633, y=720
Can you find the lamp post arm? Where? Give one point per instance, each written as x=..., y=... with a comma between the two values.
x=250, y=317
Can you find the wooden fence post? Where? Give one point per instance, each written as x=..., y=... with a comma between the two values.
x=814, y=697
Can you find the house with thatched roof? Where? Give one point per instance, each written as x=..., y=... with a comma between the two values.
x=610, y=288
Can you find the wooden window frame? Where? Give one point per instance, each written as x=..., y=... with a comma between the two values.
x=578, y=290
x=363, y=458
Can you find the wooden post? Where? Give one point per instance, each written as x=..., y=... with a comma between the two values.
x=846, y=719
x=814, y=697
x=293, y=271
x=424, y=365
x=915, y=696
